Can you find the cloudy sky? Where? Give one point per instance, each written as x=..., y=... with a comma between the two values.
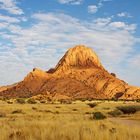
x=36, y=33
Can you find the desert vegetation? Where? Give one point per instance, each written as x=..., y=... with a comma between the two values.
x=75, y=120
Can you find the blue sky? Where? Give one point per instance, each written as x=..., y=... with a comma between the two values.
x=36, y=33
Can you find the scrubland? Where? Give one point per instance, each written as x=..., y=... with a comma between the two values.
x=69, y=121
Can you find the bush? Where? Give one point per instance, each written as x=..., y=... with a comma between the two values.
x=98, y=116
x=17, y=111
x=114, y=99
x=65, y=101
x=87, y=112
x=20, y=101
x=138, y=100
x=9, y=102
x=129, y=109
x=43, y=101
x=83, y=100
x=31, y=101
x=34, y=108
x=92, y=104
x=115, y=113
x=56, y=112
x=74, y=109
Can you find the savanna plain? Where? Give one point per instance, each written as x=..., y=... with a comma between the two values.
x=29, y=119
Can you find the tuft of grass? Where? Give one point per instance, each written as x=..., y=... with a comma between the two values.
x=102, y=127
x=112, y=130
x=57, y=107
x=92, y=105
x=17, y=111
x=115, y=113
x=34, y=108
x=106, y=108
x=98, y=116
x=31, y=101
x=129, y=109
x=87, y=112
x=48, y=111
x=2, y=115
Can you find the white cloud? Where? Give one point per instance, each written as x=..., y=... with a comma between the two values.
x=92, y=9
x=72, y=2
x=124, y=14
x=3, y=25
x=8, y=19
x=134, y=61
x=123, y=25
x=11, y=7
x=102, y=21
x=43, y=44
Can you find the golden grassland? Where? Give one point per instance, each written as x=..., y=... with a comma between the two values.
x=66, y=122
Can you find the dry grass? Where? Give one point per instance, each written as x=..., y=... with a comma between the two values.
x=64, y=122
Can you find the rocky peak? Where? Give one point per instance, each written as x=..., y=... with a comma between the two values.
x=81, y=57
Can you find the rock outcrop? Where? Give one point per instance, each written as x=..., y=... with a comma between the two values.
x=79, y=74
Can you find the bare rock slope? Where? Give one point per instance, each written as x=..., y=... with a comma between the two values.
x=79, y=74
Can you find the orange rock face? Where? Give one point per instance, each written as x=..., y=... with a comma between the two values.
x=79, y=74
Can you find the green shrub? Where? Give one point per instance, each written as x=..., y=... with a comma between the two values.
x=31, y=101
x=115, y=113
x=92, y=104
x=98, y=116
x=129, y=109
x=20, y=101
